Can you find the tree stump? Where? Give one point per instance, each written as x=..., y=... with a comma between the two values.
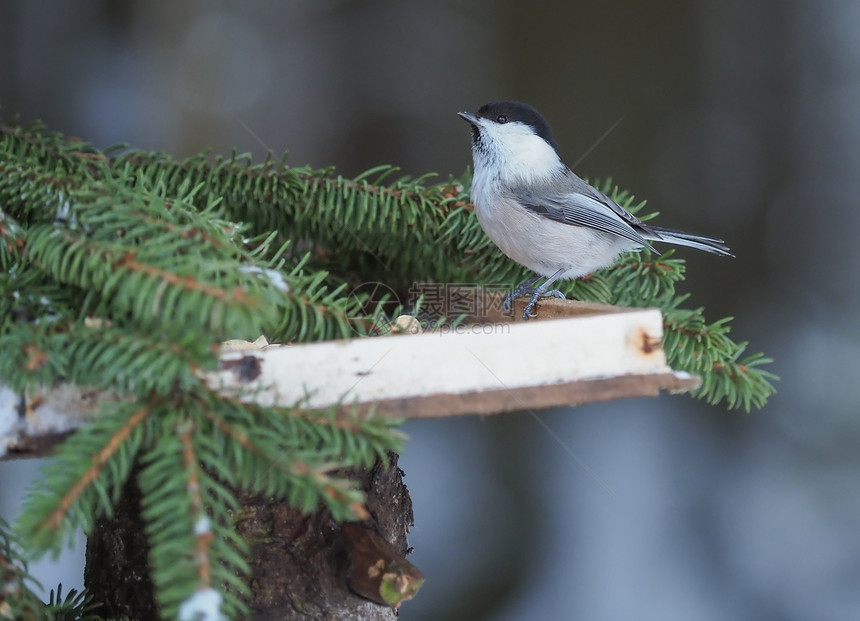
x=302, y=566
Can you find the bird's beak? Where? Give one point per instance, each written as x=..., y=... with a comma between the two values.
x=468, y=117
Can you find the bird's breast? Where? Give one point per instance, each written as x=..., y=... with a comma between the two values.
x=540, y=244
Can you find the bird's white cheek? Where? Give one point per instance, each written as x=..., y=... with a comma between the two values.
x=532, y=160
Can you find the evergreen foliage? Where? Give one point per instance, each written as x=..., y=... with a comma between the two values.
x=17, y=600
x=75, y=606
x=171, y=257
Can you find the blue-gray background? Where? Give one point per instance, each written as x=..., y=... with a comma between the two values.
x=740, y=119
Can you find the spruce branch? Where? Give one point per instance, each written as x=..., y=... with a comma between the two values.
x=17, y=600
x=707, y=350
x=124, y=270
x=307, y=450
x=11, y=241
x=84, y=479
x=75, y=606
x=188, y=518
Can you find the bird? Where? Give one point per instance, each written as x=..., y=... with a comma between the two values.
x=541, y=214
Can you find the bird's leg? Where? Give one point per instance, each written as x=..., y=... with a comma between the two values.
x=543, y=291
x=524, y=287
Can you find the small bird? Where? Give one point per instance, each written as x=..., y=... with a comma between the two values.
x=543, y=216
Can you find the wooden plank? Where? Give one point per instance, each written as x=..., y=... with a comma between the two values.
x=533, y=397
x=480, y=368
x=573, y=353
x=32, y=423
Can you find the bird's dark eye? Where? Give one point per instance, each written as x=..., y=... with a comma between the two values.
x=501, y=119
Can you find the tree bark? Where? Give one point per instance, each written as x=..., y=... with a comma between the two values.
x=301, y=565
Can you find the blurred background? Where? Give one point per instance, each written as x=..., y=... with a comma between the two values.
x=740, y=120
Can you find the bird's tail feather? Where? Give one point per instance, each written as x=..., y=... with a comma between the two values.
x=700, y=242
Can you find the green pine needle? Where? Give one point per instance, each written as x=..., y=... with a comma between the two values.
x=17, y=599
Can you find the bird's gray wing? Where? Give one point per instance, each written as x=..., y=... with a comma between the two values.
x=579, y=185
x=593, y=210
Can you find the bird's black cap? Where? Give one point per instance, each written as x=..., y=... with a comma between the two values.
x=518, y=111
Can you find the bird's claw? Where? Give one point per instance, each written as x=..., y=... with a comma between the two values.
x=527, y=313
x=508, y=300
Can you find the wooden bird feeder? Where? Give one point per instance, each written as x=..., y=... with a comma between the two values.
x=573, y=353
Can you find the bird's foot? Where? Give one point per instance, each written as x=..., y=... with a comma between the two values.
x=508, y=301
x=524, y=287
x=538, y=294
